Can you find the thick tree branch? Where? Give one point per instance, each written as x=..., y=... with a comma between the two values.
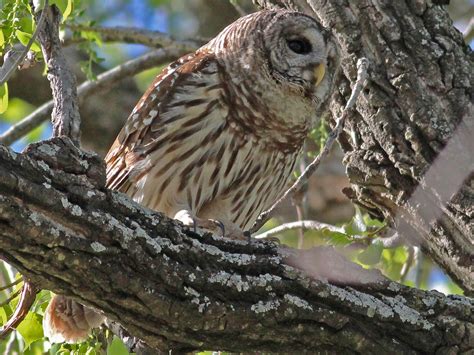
x=419, y=98
x=177, y=290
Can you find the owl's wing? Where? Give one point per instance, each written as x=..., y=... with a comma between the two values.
x=182, y=89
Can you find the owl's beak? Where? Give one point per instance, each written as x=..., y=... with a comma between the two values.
x=319, y=72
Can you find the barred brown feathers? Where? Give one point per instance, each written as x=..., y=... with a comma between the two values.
x=217, y=134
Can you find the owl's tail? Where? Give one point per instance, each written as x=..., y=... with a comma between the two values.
x=66, y=320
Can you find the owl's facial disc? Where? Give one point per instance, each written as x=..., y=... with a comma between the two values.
x=297, y=52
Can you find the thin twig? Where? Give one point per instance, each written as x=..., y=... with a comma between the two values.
x=16, y=282
x=12, y=66
x=299, y=201
x=10, y=298
x=27, y=298
x=418, y=266
x=10, y=344
x=408, y=264
x=362, y=66
x=300, y=214
x=393, y=241
x=240, y=10
x=104, y=82
x=311, y=225
x=135, y=35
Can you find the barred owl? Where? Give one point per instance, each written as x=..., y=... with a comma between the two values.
x=214, y=139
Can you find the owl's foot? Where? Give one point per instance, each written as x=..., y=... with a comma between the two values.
x=270, y=239
x=274, y=240
x=211, y=225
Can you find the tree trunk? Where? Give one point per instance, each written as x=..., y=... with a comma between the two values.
x=176, y=290
x=409, y=147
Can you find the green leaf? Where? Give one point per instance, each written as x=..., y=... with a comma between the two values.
x=145, y=78
x=24, y=38
x=61, y=5
x=17, y=110
x=371, y=255
x=68, y=10
x=400, y=255
x=36, y=348
x=42, y=300
x=65, y=6
x=356, y=226
x=30, y=328
x=454, y=289
x=3, y=316
x=371, y=222
x=336, y=238
x=92, y=36
x=3, y=97
x=117, y=348
x=2, y=39
x=35, y=135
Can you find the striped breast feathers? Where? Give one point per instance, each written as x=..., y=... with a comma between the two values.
x=170, y=109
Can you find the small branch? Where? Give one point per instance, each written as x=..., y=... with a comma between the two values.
x=408, y=264
x=418, y=265
x=393, y=241
x=66, y=119
x=9, y=66
x=104, y=82
x=362, y=66
x=240, y=10
x=134, y=35
x=10, y=298
x=16, y=282
x=10, y=344
x=314, y=225
x=300, y=214
x=27, y=298
x=300, y=201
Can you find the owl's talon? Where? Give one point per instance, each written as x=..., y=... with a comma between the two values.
x=207, y=224
x=274, y=240
x=221, y=226
x=248, y=235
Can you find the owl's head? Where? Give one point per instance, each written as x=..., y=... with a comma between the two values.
x=296, y=49
x=288, y=47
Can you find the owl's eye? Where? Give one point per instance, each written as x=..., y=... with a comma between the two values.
x=299, y=46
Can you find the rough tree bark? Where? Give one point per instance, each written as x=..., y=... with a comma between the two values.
x=420, y=96
x=176, y=290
